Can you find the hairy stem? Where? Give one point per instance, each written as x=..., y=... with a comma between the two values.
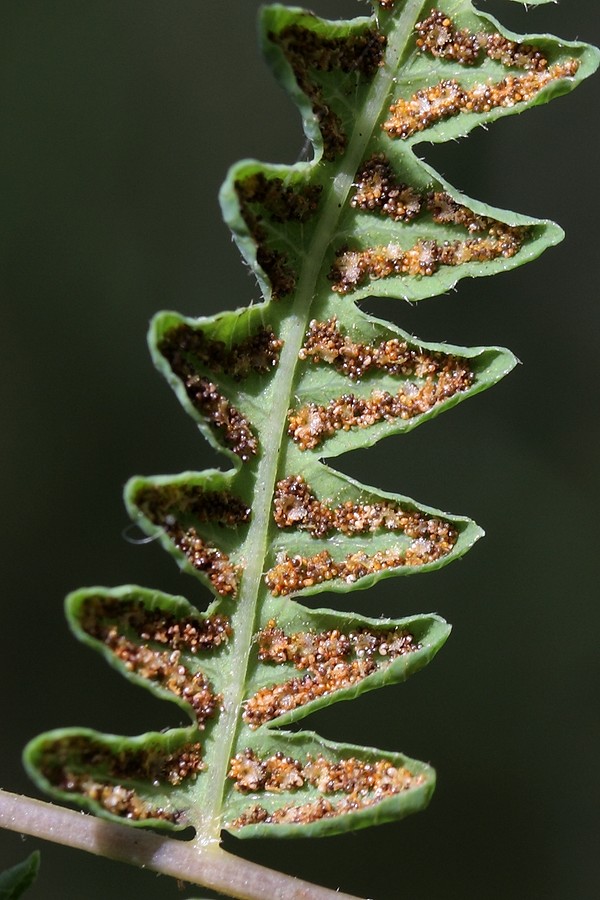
x=210, y=866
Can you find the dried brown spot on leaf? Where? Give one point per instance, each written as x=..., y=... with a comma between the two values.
x=187, y=633
x=308, y=52
x=256, y=354
x=294, y=573
x=438, y=36
x=378, y=189
x=353, y=267
x=332, y=661
x=327, y=343
x=63, y=758
x=295, y=506
x=161, y=503
x=448, y=98
x=162, y=668
x=363, y=784
x=310, y=425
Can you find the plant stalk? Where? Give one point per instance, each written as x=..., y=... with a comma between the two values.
x=190, y=861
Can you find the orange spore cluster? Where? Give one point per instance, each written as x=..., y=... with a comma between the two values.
x=271, y=702
x=448, y=98
x=163, y=668
x=310, y=425
x=206, y=558
x=327, y=343
x=117, y=799
x=291, y=574
x=275, y=774
x=308, y=650
x=353, y=267
x=378, y=189
x=222, y=415
x=363, y=784
x=78, y=764
x=331, y=660
x=438, y=36
x=295, y=506
x=206, y=398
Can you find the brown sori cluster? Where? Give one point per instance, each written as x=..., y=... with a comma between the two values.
x=352, y=267
x=445, y=210
x=294, y=573
x=448, y=98
x=209, y=402
x=310, y=425
x=332, y=661
x=363, y=784
x=181, y=633
x=326, y=342
x=295, y=506
x=206, y=558
x=165, y=669
x=307, y=649
x=117, y=799
x=282, y=202
x=258, y=353
x=221, y=414
x=438, y=35
x=276, y=773
x=377, y=189
x=162, y=502
x=152, y=765
x=306, y=51
x=271, y=702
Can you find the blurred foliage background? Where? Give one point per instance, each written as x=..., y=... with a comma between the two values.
x=118, y=120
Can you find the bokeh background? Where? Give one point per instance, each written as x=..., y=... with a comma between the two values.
x=118, y=120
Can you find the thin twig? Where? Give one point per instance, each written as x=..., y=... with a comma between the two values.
x=208, y=865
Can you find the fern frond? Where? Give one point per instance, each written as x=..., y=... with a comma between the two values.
x=280, y=389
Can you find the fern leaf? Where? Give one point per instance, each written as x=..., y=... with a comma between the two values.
x=285, y=385
x=15, y=881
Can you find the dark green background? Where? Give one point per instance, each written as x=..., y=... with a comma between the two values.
x=118, y=119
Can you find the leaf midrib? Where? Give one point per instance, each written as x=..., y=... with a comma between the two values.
x=208, y=820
